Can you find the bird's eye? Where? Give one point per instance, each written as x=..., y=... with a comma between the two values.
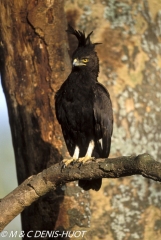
x=85, y=60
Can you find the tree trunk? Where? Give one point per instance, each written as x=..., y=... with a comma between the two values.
x=34, y=63
x=130, y=68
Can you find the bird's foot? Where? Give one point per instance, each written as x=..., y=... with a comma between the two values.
x=67, y=162
x=85, y=159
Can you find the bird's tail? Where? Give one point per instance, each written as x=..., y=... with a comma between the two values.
x=94, y=184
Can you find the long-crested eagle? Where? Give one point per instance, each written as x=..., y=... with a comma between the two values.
x=84, y=109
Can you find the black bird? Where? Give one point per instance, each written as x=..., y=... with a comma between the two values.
x=84, y=109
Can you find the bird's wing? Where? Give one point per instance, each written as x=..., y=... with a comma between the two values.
x=60, y=114
x=103, y=116
x=62, y=118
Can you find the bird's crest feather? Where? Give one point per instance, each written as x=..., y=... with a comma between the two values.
x=83, y=41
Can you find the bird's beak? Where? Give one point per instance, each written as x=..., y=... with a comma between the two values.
x=77, y=62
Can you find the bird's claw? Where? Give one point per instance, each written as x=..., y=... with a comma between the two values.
x=85, y=159
x=70, y=161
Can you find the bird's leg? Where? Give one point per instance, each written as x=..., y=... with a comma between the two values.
x=74, y=158
x=88, y=154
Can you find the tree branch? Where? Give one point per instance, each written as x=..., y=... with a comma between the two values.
x=38, y=185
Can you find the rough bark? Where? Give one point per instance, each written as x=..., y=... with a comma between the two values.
x=34, y=62
x=130, y=68
x=38, y=185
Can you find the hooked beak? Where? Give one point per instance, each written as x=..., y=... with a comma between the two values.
x=77, y=62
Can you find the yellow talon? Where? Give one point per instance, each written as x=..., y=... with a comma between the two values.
x=68, y=161
x=85, y=159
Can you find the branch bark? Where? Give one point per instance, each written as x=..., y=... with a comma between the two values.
x=38, y=185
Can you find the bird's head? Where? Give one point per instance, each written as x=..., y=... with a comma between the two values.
x=85, y=55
